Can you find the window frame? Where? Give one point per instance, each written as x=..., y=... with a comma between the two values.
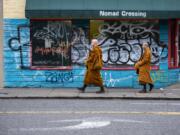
x=46, y=67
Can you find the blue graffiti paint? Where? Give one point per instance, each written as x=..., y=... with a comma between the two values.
x=59, y=77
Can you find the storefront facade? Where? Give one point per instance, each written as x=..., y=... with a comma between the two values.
x=48, y=45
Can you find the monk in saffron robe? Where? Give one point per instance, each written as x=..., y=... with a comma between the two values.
x=94, y=65
x=144, y=67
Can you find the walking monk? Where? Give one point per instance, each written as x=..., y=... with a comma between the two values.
x=143, y=66
x=94, y=64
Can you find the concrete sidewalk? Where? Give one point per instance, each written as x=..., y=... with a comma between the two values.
x=168, y=93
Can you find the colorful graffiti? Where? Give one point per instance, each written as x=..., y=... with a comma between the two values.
x=80, y=46
x=122, y=41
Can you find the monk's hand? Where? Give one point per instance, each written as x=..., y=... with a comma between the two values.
x=85, y=61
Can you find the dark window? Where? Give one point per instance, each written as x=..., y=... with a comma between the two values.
x=51, y=43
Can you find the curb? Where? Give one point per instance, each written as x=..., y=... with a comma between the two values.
x=99, y=98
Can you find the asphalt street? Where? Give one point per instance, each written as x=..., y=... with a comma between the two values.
x=89, y=117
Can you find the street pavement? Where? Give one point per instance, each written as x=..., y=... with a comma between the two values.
x=169, y=93
x=89, y=117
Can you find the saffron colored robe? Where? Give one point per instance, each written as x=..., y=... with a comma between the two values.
x=144, y=66
x=93, y=75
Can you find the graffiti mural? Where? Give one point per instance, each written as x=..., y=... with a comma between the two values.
x=80, y=46
x=121, y=42
x=80, y=42
x=63, y=43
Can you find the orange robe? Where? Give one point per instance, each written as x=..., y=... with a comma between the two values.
x=144, y=66
x=93, y=75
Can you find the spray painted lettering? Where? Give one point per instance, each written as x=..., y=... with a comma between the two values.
x=59, y=77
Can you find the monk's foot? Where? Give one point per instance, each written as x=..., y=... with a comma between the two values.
x=99, y=92
x=151, y=87
x=142, y=91
x=81, y=90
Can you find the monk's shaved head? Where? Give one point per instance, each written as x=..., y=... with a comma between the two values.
x=94, y=41
x=145, y=45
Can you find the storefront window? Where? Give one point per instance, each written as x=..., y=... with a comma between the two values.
x=63, y=43
x=50, y=43
x=59, y=43
x=121, y=41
